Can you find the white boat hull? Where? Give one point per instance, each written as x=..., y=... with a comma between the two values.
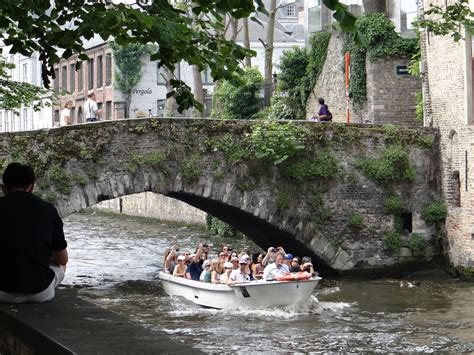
x=255, y=294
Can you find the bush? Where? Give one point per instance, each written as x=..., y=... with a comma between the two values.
x=434, y=212
x=393, y=241
x=417, y=242
x=393, y=165
x=275, y=142
x=218, y=227
x=393, y=205
x=356, y=220
x=240, y=100
x=324, y=164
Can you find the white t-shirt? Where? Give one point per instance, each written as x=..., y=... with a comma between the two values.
x=64, y=117
x=271, y=271
x=90, y=107
x=237, y=275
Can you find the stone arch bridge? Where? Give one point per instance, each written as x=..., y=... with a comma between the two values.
x=315, y=189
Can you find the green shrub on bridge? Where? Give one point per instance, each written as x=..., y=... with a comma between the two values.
x=393, y=241
x=324, y=165
x=276, y=142
x=393, y=165
x=434, y=212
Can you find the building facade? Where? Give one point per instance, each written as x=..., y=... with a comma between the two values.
x=449, y=99
x=28, y=70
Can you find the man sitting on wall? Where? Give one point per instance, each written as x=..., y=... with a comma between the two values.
x=33, y=252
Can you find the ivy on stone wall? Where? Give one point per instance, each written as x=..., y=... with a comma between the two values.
x=300, y=69
x=382, y=41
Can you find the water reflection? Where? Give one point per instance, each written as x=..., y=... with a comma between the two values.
x=116, y=261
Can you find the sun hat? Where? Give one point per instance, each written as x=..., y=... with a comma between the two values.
x=181, y=257
x=234, y=258
x=243, y=261
x=228, y=265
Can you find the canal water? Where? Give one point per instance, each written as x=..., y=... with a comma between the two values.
x=115, y=261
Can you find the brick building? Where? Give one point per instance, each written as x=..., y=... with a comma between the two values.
x=449, y=106
x=94, y=75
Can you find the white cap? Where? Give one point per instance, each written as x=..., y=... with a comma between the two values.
x=181, y=257
x=206, y=262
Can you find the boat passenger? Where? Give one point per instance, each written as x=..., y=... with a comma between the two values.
x=226, y=249
x=206, y=273
x=239, y=275
x=225, y=275
x=235, y=262
x=295, y=264
x=248, y=267
x=222, y=257
x=186, y=254
x=180, y=268
x=269, y=257
x=194, y=268
x=288, y=259
x=277, y=268
x=257, y=267
x=215, y=272
x=170, y=260
x=306, y=264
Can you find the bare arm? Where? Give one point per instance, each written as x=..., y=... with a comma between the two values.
x=60, y=257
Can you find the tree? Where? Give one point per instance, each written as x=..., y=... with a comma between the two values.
x=239, y=99
x=44, y=26
x=14, y=94
x=269, y=36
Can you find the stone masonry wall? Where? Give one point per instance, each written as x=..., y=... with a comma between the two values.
x=214, y=165
x=149, y=204
x=391, y=97
x=449, y=80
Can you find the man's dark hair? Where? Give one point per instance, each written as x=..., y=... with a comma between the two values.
x=321, y=101
x=18, y=175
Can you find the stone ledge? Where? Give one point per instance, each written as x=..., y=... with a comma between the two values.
x=69, y=325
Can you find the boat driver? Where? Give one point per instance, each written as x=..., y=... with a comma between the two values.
x=276, y=268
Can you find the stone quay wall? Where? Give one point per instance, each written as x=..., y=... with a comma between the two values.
x=151, y=205
x=451, y=88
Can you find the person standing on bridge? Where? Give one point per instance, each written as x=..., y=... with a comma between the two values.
x=91, y=110
x=33, y=254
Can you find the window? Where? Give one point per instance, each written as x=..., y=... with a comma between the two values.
x=408, y=13
x=80, y=79
x=64, y=78
x=25, y=119
x=90, y=74
x=108, y=69
x=100, y=74
x=2, y=126
x=108, y=110
x=315, y=19
x=161, y=75
x=56, y=80
x=291, y=11
x=25, y=73
x=160, y=108
x=72, y=77
x=206, y=77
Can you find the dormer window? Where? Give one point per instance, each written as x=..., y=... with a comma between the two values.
x=291, y=11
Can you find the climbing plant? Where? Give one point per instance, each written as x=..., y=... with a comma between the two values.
x=299, y=71
x=382, y=41
x=128, y=68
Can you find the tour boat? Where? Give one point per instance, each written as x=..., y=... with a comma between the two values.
x=248, y=295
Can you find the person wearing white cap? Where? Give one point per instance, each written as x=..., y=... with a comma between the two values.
x=239, y=275
x=180, y=268
x=225, y=275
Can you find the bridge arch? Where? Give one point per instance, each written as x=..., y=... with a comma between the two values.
x=292, y=184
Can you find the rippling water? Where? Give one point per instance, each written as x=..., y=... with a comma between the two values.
x=115, y=261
